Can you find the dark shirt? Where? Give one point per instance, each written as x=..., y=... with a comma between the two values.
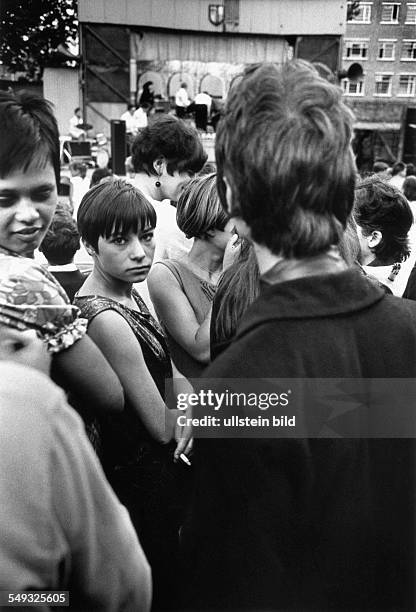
x=308, y=523
x=70, y=281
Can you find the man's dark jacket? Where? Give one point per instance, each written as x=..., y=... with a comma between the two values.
x=308, y=524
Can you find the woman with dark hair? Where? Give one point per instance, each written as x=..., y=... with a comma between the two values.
x=384, y=219
x=29, y=175
x=238, y=287
x=148, y=95
x=182, y=290
x=116, y=223
x=165, y=155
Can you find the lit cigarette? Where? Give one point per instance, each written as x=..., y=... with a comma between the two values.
x=185, y=459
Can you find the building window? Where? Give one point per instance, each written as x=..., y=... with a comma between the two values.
x=407, y=85
x=411, y=13
x=386, y=49
x=363, y=15
x=409, y=51
x=390, y=12
x=356, y=49
x=383, y=84
x=353, y=88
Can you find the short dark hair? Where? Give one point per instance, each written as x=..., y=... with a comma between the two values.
x=99, y=174
x=409, y=188
x=76, y=110
x=80, y=167
x=199, y=210
x=62, y=239
x=284, y=146
x=381, y=207
x=398, y=167
x=113, y=206
x=29, y=133
x=172, y=139
x=410, y=170
x=380, y=166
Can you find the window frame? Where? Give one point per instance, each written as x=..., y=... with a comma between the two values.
x=386, y=41
x=367, y=8
x=411, y=76
x=356, y=41
x=383, y=74
x=391, y=21
x=409, y=41
x=347, y=92
x=413, y=6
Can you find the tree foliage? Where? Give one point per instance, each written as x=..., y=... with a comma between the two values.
x=32, y=30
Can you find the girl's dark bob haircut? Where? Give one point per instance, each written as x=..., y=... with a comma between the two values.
x=114, y=207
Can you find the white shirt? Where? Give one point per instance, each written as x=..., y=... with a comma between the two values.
x=74, y=131
x=61, y=525
x=203, y=98
x=397, y=181
x=80, y=187
x=181, y=97
x=140, y=117
x=130, y=120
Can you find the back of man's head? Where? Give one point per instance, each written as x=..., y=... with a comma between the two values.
x=284, y=147
x=29, y=133
x=62, y=240
x=398, y=168
x=380, y=166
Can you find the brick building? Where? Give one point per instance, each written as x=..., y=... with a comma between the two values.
x=381, y=38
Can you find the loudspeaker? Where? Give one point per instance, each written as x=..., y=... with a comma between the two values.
x=118, y=146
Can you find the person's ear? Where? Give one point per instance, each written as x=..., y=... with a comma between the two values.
x=242, y=229
x=374, y=239
x=228, y=193
x=241, y=226
x=90, y=249
x=159, y=165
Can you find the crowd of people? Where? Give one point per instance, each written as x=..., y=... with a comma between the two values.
x=278, y=263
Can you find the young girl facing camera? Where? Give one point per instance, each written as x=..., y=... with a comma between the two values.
x=116, y=223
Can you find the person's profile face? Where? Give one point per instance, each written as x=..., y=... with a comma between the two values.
x=27, y=204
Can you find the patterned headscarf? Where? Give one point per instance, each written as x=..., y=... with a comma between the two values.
x=30, y=298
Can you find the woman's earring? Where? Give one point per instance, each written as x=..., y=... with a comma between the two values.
x=157, y=184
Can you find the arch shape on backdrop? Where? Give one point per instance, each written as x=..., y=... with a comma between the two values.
x=175, y=82
x=157, y=80
x=214, y=85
